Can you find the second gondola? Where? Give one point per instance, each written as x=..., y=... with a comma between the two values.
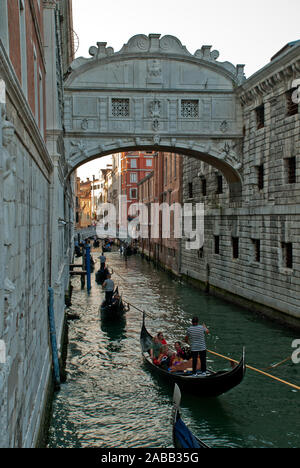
x=212, y=385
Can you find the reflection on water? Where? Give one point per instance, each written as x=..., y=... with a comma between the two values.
x=111, y=399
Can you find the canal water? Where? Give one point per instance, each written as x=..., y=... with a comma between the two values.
x=111, y=400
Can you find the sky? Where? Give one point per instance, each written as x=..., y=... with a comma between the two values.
x=243, y=32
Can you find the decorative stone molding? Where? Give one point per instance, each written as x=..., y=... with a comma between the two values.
x=279, y=72
x=154, y=44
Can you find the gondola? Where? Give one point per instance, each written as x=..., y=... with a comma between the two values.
x=101, y=276
x=212, y=385
x=182, y=436
x=115, y=310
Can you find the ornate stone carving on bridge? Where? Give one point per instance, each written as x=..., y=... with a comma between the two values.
x=78, y=147
x=154, y=72
x=154, y=94
x=154, y=44
x=229, y=152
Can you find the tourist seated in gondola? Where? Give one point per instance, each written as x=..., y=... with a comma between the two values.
x=180, y=366
x=109, y=287
x=181, y=359
x=155, y=348
x=180, y=353
x=164, y=358
x=161, y=338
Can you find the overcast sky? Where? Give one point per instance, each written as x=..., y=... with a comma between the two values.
x=243, y=32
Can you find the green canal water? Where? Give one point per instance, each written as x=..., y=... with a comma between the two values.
x=111, y=400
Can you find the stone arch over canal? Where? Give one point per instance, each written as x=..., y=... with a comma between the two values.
x=155, y=95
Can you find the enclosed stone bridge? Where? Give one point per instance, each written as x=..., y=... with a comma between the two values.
x=155, y=95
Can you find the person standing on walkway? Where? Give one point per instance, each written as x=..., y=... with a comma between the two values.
x=196, y=338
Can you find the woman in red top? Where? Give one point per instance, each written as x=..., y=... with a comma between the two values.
x=160, y=336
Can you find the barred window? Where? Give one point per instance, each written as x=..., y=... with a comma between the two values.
x=260, y=177
x=260, y=116
x=235, y=247
x=217, y=245
x=190, y=108
x=287, y=254
x=256, y=249
x=291, y=170
x=219, y=184
x=204, y=187
x=120, y=107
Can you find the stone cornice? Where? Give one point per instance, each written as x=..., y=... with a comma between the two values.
x=18, y=99
x=284, y=68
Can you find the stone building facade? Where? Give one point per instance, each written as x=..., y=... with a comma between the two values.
x=36, y=209
x=251, y=251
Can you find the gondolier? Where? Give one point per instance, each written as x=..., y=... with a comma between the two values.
x=108, y=287
x=196, y=338
x=102, y=261
x=214, y=384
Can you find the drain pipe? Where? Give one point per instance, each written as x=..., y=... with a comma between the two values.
x=53, y=339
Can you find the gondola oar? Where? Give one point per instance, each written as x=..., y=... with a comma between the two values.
x=257, y=370
x=140, y=310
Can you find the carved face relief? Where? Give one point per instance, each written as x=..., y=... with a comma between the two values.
x=154, y=72
x=8, y=131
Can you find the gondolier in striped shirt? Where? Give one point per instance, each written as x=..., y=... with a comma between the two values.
x=196, y=338
x=108, y=287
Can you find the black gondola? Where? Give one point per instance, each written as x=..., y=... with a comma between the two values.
x=182, y=436
x=211, y=385
x=115, y=310
x=101, y=276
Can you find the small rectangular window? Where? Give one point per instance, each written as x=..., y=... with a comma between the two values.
x=133, y=177
x=133, y=164
x=287, y=254
x=190, y=108
x=256, y=249
x=191, y=194
x=133, y=193
x=219, y=184
x=260, y=116
x=204, y=187
x=217, y=245
x=260, y=177
x=120, y=107
x=235, y=247
x=291, y=170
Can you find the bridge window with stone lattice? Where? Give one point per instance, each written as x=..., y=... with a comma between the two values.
x=120, y=107
x=190, y=108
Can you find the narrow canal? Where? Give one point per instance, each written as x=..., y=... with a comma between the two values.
x=110, y=399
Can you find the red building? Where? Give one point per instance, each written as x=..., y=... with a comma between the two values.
x=135, y=166
x=22, y=35
x=162, y=185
